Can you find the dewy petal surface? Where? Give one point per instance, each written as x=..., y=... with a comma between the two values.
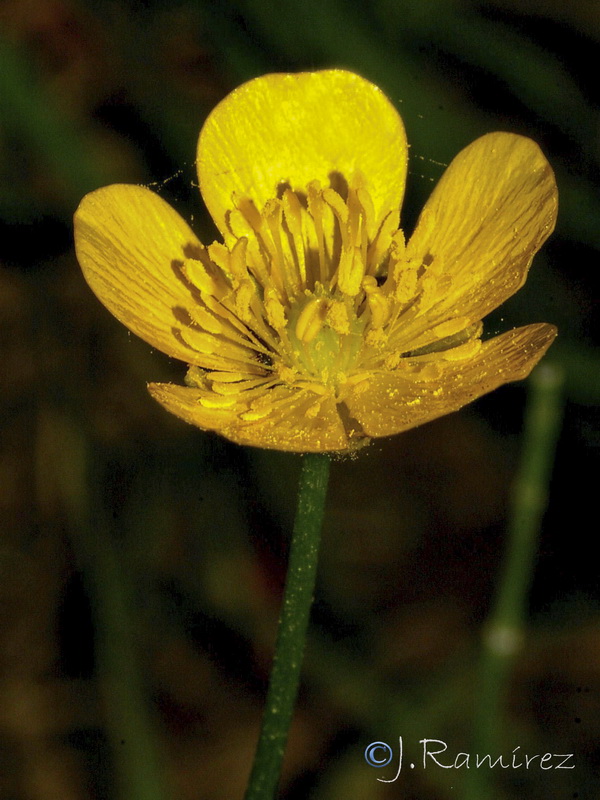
x=487, y=217
x=295, y=129
x=128, y=240
x=288, y=425
x=393, y=403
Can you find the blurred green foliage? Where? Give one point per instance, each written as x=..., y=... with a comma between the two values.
x=93, y=93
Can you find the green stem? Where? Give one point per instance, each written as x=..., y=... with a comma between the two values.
x=293, y=623
x=504, y=630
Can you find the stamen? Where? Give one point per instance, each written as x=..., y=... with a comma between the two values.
x=315, y=297
x=244, y=389
x=379, y=306
x=310, y=320
x=463, y=351
x=272, y=214
x=275, y=311
x=227, y=377
x=217, y=401
x=206, y=320
x=368, y=209
x=220, y=255
x=316, y=207
x=380, y=246
x=238, y=260
x=451, y=327
x=337, y=317
x=206, y=280
x=293, y=216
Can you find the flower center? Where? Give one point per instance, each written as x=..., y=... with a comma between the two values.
x=325, y=335
x=316, y=259
x=304, y=278
x=316, y=293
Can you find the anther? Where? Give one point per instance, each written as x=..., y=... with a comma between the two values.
x=310, y=320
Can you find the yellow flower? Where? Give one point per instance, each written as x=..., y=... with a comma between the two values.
x=314, y=325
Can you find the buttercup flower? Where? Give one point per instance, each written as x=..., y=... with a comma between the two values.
x=314, y=325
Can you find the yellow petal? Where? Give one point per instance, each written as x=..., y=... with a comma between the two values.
x=490, y=213
x=296, y=420
x=129, y=242
x=294, y=129
x=394, y=403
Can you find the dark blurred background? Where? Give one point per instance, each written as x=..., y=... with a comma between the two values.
x=134, y=545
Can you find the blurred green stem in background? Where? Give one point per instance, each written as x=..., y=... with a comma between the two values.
x=293, y=624
x=504, y=630
x=132, y=733
x=64, y=464
x=32, y=115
